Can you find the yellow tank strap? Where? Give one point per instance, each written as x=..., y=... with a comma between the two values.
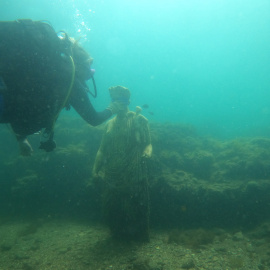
x=71, y=83
x=68, y=92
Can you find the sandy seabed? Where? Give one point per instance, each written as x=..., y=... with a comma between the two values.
x=61, y=244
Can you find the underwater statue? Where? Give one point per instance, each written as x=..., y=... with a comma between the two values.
x=121, y=162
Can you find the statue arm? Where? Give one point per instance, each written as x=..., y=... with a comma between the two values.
x=147, y=152
x=98, y=163
x=101, y=154
x=145, y=136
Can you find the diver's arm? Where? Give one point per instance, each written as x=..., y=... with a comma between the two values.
x=79, y=100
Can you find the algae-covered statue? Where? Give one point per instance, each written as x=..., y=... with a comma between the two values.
x=121, y=162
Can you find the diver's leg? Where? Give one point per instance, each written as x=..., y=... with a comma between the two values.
x=24, y=146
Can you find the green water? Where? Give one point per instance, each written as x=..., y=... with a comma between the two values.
x=200, y=62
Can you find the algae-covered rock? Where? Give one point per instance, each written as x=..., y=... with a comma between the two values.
x=174, y=137
x=195, y=181
x=244, y=159
x=26, y=185
x=171, y=159
x=179, y=198
x=200, y=163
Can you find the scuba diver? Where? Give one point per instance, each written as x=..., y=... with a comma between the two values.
x=42, y=72
x=121, y=165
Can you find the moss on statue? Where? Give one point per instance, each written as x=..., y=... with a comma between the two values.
x=121, y=162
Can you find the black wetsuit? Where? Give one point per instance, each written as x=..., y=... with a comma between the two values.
x=37, y=73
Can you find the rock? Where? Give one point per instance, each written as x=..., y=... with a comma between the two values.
x=238, y=236
x=21, y=256
x=6, y=246
x=188, y=263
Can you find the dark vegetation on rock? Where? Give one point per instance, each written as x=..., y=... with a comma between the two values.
x=195, y=182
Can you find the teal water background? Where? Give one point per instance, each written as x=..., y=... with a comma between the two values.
x=201, y=62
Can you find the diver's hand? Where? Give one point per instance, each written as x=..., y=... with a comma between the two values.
x=116, y=106
x=25, y=147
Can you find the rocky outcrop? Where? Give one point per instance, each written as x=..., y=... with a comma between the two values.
x=195, y=181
